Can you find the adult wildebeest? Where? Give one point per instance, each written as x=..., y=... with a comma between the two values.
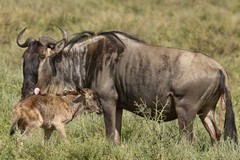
x=123, y=69
x=51, y=112
x=34, y=47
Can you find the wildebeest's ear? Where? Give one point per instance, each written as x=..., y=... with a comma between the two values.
x=59, y=45
x=79, y=99
x=50, y=45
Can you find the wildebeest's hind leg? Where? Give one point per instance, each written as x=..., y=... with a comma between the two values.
x=47, y=134
x=210, y=125
x=186, y=117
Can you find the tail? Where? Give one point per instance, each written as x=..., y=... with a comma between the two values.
x=14, y=124
x=230, y=130
x=13, y=129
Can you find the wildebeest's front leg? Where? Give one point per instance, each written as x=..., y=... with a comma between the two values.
x=109, y=111
x=186, y=117
x=119, y=112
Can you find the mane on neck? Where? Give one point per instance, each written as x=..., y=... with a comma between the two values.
x=111, y=36
x=69, y=66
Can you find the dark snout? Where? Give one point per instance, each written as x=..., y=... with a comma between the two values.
x=99, y=111
x=93, y=108
x=29, y=83
x=27, y=91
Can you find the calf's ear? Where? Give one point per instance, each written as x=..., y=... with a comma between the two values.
x=59, y=45
x=66, y=92
x=80, y=98
x=80, y=90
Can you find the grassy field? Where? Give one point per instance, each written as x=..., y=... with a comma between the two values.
x=208, y=26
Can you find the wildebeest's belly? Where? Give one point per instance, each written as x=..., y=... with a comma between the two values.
x=161, y=109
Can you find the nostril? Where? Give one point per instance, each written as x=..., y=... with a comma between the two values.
x=36, y=91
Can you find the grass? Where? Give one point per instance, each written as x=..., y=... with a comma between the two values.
x=208, y=26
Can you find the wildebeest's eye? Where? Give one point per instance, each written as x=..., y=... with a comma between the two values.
x=51, y=46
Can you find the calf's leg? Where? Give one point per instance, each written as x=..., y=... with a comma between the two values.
x=26, y=133
x=61, y=130
x=47, y=134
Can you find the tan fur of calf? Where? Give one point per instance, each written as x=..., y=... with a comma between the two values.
x=51, y=112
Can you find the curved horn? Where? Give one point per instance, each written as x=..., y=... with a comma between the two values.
x=25, y=44
x=64, y=33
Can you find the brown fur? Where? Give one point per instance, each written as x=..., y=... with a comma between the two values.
x=51, y=112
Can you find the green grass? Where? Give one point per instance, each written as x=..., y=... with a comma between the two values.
x=208, y=26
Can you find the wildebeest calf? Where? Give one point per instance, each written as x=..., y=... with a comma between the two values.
x=52, y=112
